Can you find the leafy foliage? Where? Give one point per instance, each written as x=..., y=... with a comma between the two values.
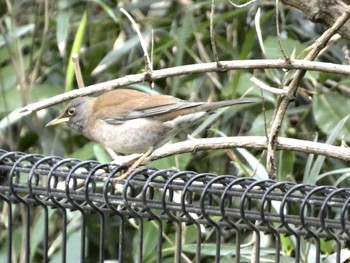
x=35, y=50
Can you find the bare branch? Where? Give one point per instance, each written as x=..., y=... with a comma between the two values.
x=279, y=32
x=212, y=33
x=265, y=87
x=326, y=12
x=183, y=70
x=77, y=71
x=320, y=43
x=253, y=142
x=149, y=66
x=242, y=5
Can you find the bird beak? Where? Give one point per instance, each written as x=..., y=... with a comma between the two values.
x=57, y=121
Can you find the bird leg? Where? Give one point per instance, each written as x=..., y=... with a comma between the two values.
x=126, y=160
x=122, y=159
x=111, y=153
x=135, y=164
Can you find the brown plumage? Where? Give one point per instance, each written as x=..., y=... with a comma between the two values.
x=130, y=121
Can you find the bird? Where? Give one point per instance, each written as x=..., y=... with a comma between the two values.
x=134, y=122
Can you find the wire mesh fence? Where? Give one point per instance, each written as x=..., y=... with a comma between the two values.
x=67, y=210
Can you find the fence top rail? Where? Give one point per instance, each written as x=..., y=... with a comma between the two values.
x=192, y=198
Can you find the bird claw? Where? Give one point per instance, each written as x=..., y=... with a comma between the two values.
x=126, y=160
x=140, y=159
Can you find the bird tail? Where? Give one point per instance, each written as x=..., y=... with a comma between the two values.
x=209, y=106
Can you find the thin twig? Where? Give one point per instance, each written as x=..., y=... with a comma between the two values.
x=242, y=5
x=77, y=71
x=258, y=30
x=279, y=34
x=152, y=55
x=204, y=57
x=263, y=110
x=212, y=34
x=149, y=66
x=17, y=58
x=265, y=87
x=44, y=30
x=320, y=43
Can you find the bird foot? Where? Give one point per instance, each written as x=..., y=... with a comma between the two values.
x=137, y=163
x=126, y=159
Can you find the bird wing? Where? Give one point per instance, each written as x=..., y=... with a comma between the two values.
x=160, y=110
x=134, y=104
x=163, y=112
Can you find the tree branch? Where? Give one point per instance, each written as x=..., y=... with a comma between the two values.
x=183, y=70
x=326, y=12
x=253, y=142
x=293, y=86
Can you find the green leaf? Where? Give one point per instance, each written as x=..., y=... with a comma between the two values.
x=10, y=119
x=344, y=172
x=315, y=171
x=258, y=127
x=150, y=232
x=254, y=163
x=107, y=9
x=273, y=50
x=100, y=153
x=116, y=55
x=182, y=35
x=78, y=40
x=73, y=249
x=309, y=162
x=83, y=153
x=178, y=162
x=19, y=32
x=62, y=32
x=329, y=109
x=244, y=87
x=287, y=244
x=37, y=231
x=285, y=165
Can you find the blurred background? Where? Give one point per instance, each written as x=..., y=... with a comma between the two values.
x=37, y=39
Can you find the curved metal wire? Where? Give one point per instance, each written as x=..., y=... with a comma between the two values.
x=225, y=204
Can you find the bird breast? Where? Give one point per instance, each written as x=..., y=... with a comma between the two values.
x=132, y=136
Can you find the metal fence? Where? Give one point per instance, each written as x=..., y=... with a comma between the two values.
x=160, y=215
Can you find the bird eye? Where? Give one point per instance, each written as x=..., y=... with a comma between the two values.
x=71, y=111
